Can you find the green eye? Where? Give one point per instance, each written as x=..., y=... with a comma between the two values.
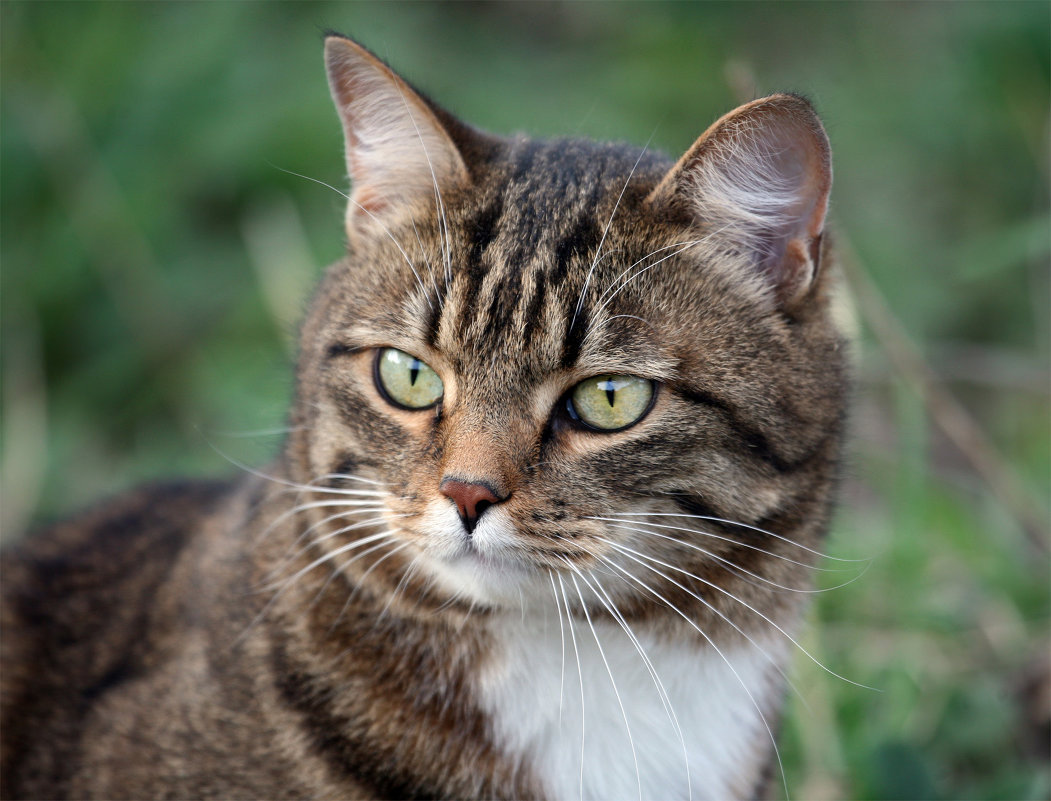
x=611, y=402
x=405, y=381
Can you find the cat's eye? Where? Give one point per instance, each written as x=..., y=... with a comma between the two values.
x=405, y=381
x=610, y=402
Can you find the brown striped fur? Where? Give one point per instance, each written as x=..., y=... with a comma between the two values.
x=232, y=641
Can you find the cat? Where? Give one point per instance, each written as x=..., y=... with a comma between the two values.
x=563, y=447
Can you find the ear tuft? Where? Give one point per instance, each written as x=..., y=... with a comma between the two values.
x=399, y=156
x=757, y=182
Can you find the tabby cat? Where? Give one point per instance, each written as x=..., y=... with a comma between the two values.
x=564, y=443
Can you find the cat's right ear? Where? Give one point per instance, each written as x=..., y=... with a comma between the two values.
x=399, y=156
x=757, y=185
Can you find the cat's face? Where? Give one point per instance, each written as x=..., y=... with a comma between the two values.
x=547, y=359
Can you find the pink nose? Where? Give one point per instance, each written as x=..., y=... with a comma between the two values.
x=471, y=499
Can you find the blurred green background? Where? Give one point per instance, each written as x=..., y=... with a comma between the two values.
x=156, y=255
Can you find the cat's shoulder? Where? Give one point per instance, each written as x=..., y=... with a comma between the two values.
x=78, y=599
x=106, y=540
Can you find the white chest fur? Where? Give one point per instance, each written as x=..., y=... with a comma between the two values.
x=688, y=725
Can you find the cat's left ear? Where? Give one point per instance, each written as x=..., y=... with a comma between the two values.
x=399, y=155
x=757, y=183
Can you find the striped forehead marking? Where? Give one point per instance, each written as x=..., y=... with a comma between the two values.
x=521, y=245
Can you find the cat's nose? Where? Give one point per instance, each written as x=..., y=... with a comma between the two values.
x=471, y=498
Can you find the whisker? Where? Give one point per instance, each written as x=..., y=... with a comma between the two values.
x=427, y=261
x=314, y=542
x=624, y=525
x=630, y=317
x=388, y=536
x=628, y=269
x=621, y=515
x=306, y=533
x=259, y=432
x=294, y=484
x=326, y=557
x=562, y=632
x=343, y=477
x=281, y=588
x=738, y=568
x=611, y=607
x=626, y=550
x=629, y=279
x=598, y=251
x=375, y=219
x=350, y=507
x=733, y=670
x=443, y=226
x=402, y=583
x=308, y=178
x=612, y=681
x=361, y=580
x=773, y=662
x=580, y=676
x=285, y=583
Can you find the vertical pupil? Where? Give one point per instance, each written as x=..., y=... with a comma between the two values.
x=414, y=371
x=611, y=393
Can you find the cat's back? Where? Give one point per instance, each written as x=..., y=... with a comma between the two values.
x=87, y=606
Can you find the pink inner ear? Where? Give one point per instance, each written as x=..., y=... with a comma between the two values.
x=798, y=191
x=398, y=152
x=758, y=182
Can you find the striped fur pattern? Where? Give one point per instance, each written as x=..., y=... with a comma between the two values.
x=616, y=618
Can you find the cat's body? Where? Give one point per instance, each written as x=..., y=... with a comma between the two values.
x=463, y=578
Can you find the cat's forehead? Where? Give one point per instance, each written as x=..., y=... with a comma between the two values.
x=543, y=232
x=541, y=189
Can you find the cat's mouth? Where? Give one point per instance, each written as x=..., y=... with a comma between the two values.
x=488, y=563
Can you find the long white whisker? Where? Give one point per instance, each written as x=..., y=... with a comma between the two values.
x=612, y=681
x=281, y=588
x=722, y=656
x=625, y=525
x=294, y=484
x=443, y=226
x=730, y=563
x=259, y=432
x=361, y=581
x=376, y=219
x=628, y=269
x=314, y=542
x=325, y=520
x=580, y=676
x=349, y=507
x=626, y=550
x=611, y=607
x=562, y=632
x=326, y=557
x=388, y=537
x=342, y=476
x=632, y=277
x=733, y=523
x=427, y=261
x=605, y=231
x=402, y=583
x=308, y=178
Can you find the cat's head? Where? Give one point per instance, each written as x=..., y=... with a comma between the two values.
x=543, y=361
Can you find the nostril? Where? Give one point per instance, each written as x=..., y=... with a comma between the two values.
x=471, y=498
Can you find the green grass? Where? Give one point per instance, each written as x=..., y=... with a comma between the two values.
x=155, y=256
